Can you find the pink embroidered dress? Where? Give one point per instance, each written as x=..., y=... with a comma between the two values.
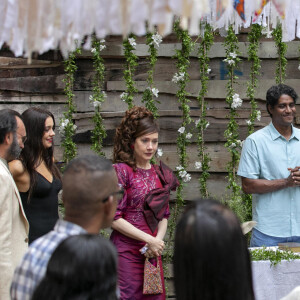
x=131, y=262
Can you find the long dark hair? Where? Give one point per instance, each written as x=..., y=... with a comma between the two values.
x=211, y=258
x=82, y=267
x=136, y=122
x=34, y=119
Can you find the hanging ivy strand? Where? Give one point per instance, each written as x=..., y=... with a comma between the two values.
x=253, y=37
x=67, y=127
x=181, y=78
x=129, y=45
x=202, y=123
x=98, y=97
x=281, y=51
x=150, y=94
x=233, y=144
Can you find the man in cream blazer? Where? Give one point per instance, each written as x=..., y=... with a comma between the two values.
x=13, y=223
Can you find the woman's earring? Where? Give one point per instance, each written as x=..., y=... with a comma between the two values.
x=132, y=146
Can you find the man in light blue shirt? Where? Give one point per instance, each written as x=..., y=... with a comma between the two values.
x=269, y=168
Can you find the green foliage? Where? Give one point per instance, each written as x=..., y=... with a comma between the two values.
x=253, y=38
x=98, y=97
x=181, y=78
x=281, y=51
x=148, y=99
x=67, y=127
x=130, y=65
x=233, y=144
x=274, y=256
x=202, y=123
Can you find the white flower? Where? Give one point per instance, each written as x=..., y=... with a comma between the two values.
x=132, y=42
x=102, y=41
x=123, y=96
x=179, y=168
x=236, y=101
x=181, y=130
x=156, y=39
x=74, y=127
x=159, y=152
x=207, y=124
x=230, y=61
x=96, y=103
x=91, y=98
x=197, y=122
x=63, y=125
x=187, y=178
x=258, y=116
x=233, y=145
x=299, y=67
x=248, y=122
x=102, y=47
x=178, y=77
x=155, y=92
x=239, y=143
x=104, y=94
x=93, y=50
x=198, y=165
x=208, y=71
x=189, y=136
x=232, y=54
x=182, y=173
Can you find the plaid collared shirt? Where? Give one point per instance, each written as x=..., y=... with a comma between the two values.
x=34, y=263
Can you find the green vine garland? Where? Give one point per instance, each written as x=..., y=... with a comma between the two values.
x=281, y=51
x=153, y=41
x=253, y=37
x=98, y=97
x=67, y=127
x=233, y=144
x=181, y=78
x=202, y=123
x=130, y=65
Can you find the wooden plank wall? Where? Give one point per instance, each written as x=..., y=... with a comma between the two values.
x=40, y=83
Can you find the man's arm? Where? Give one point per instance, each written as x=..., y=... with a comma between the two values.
x=262, y=186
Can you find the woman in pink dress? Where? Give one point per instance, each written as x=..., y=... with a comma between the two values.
x=141, y=217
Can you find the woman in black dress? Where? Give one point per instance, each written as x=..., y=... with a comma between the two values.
x=35, y=173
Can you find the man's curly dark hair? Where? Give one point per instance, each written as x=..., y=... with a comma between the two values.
x=136, y=122
x=276, y=91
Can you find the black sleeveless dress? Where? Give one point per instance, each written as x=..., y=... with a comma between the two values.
x=42, y=209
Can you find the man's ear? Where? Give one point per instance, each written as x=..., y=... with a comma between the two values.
x=109, y=210
x=9, y=137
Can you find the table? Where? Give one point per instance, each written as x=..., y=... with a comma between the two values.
x=273, y=283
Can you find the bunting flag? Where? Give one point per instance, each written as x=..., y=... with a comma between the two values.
x=239, y=6
x=280, y=7
x=259, y=11
x=220, y=8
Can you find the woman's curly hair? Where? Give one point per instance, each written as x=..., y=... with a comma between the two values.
x=136, y=122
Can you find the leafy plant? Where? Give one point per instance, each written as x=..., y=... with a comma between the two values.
x=202, y=123
x=98, y=97
x=67, y=126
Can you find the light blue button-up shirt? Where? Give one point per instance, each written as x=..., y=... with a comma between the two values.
x=266, y=154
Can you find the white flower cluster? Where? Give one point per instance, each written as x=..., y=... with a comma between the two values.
x=64, y=124
x=154, y=91
x=123, y=96
x=236, y=144
x=101, y=47
x=97, y=103
x=159, y=152
x=208, y=71
x=198, y=165
x=189, y=136
x=183, y=174
x=132, y=42
x=198, y=121
x=181, y=130
x=230, y=60
x=258, y=116
x=178, y=77
x=236, y=101
x=156, y=40
x=248, y=122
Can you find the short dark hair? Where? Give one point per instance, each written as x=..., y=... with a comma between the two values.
x=87, y=180
x=211, y=258
x=81, y=267
x=276, y=91
x=8, y=122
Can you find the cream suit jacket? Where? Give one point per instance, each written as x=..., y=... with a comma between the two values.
x=13, y=230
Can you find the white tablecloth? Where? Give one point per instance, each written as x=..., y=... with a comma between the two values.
x=273, y=283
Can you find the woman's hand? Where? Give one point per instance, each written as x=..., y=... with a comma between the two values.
x=156, y=246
